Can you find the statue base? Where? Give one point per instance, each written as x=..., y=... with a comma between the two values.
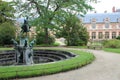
x=24, y=55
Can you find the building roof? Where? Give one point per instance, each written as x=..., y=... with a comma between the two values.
x=100, y=17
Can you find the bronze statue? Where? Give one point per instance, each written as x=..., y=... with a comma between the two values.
x=24, y=52
x=25, y=27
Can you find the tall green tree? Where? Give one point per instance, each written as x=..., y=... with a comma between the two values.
x=46, y=12
x=7, y=28
x=6, y=12
x=73, y=31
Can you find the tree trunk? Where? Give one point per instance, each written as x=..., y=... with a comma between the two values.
x=46, y=36
x=68, y=41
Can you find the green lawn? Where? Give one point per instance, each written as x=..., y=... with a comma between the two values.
x=81, y=47
x=112, y=50
x=6, y=48
x=82, y=58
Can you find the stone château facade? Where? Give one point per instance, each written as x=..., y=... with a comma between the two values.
x=102, y=26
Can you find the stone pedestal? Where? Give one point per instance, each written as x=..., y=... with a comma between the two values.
x=24, y=55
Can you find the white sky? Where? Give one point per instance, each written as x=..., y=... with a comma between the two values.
x=106, y=5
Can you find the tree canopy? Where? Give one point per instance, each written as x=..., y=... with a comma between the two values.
x=51, y=14
x=6, y=12
x=50, y=8
x=46, y=12
x=7, y=28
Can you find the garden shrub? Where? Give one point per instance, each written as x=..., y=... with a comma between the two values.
x=114, y=43
x=118, y=38
x=56, y=44
x=40, y=39
x=94, y=45
x=7, y=32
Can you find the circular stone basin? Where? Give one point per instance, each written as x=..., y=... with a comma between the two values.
x=40, y=56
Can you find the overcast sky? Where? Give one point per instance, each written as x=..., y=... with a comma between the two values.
x=106, y=5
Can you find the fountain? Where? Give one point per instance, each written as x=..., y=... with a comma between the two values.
x=23, y=50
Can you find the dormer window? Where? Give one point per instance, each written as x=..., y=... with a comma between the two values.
x=107, y=23
x=118, y=22
x=93, y=23
x=118, y=19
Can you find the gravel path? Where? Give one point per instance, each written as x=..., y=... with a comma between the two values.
x=105, y=67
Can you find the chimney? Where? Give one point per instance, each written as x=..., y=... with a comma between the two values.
x=113, y=9
x=95, y=11
x=105, y=11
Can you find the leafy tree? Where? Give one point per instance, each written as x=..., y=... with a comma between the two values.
x=6, y=12
x=73, y=31
x=47, y=12
x=7, y=32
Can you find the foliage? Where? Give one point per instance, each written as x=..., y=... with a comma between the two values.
x=118, y=38
x=41, y=40
x=83, y=58
x=56, y=44
x=95, y=45
x=73, y=31
x=7, y=32
x=50, y=13
x=112, y=43
x=6, y=12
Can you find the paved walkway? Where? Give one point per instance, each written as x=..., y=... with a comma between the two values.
x=105, y=67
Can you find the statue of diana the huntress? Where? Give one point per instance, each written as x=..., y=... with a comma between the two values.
x=23, y=50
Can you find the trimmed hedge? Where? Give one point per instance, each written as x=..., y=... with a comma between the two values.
x=11, y=72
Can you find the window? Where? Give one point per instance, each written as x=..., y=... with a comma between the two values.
x=100, y=35
x=93, y=35
x=118, y=22
x=93, y=23
x=106, y=24
x=106, y=35
x=113, y=35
